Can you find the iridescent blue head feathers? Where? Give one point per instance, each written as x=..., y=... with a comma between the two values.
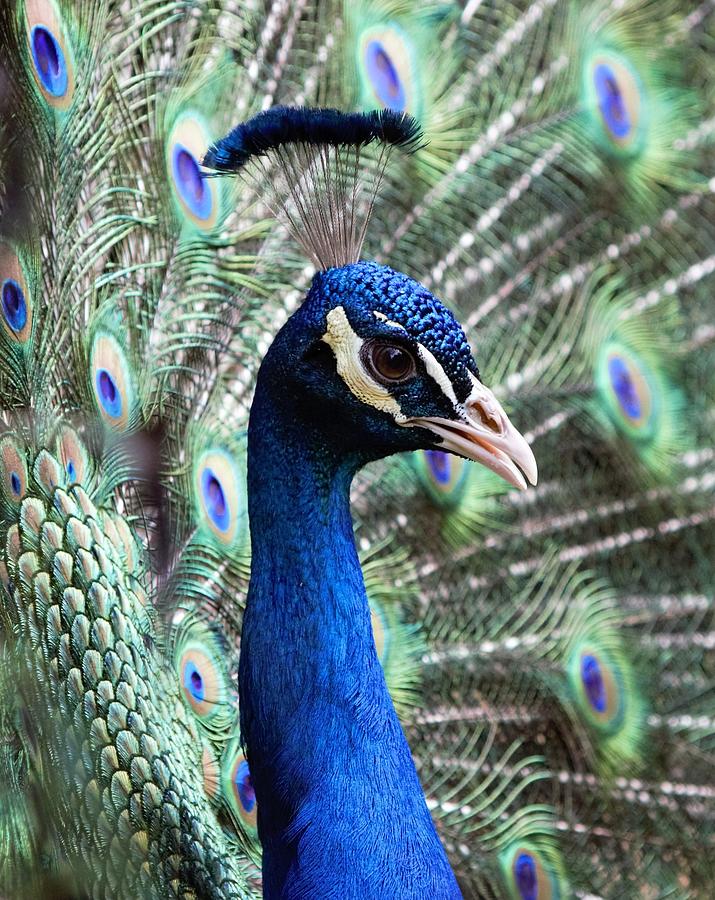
x=381, y=301
x=317, y=171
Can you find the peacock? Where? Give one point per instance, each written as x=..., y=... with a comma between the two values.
x=276, y=619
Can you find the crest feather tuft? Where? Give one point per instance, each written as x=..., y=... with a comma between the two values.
x=281, y=125
x=321, y=180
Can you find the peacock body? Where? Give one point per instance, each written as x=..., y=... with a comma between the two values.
x=549, y=653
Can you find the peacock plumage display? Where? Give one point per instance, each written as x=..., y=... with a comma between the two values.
x=549, y=652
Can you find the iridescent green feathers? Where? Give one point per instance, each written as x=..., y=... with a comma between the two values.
x=635, y=103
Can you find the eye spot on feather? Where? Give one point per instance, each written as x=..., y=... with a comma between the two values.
x=108, y=394
x=244, y=787
x=617, y=100
x=14, y=470
x=442, y=475
x=525, y=876
x=439, y=465
x=194, y=683
x=50, y=53
x=112, y=381
x=14, y=296
x=192, y=188
x=387, y=69
x=531, y=874
x=611, y=102
x=49, y=61
x=384, y=77
x=630, y=388
x=14, y=307
x=73, y=455
x=238, y=786
x=202, y=681
x=215, y=499
x=221, y=494
x=625, y=380
x=197, y=198
x=600, y=689
x=593, y=682
x=244, y=793
x=531, y=880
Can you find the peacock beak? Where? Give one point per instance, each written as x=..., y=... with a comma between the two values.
x=482, y=432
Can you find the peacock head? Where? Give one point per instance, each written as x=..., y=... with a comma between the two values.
x=371, y=364
x=376, y=365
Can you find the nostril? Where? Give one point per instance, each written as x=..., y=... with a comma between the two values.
x=486, y=417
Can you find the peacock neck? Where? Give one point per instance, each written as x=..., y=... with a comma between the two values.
x=306, y=596
x=332, y=771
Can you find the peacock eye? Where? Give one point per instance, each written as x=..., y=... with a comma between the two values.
x=388, y=363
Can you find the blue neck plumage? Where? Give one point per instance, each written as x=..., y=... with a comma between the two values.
x=338, y=797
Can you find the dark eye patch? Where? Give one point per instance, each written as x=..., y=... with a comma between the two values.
x=320, y=355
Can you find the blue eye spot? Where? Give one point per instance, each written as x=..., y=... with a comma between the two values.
x=611, y=102
x=440, y=465
x=592, y=679
x=384, y=77
x=193, y=682
x=526, y=878
x=49, y=60
x=244, y=786
x=624, y=388
x=215, y=500
x=14, y=306
x=71, y=471
x=108, y=393
x=190, y=184
x=15, y=484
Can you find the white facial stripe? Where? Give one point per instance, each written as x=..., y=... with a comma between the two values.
x=346, y=345
x=476, y=385
x=437, y=372
x=383, y=318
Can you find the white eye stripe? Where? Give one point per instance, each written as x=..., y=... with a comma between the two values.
x=383, y=318
x=438, y=374
x=346, y=346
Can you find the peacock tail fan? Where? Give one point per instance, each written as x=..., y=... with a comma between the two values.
x=550, y=653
